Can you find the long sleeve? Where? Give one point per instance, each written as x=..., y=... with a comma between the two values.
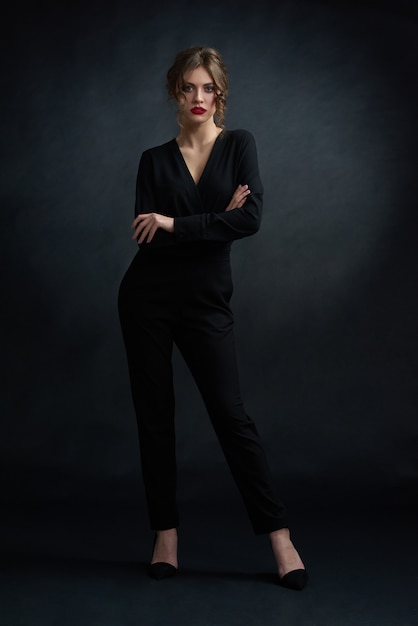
x=224, y=225
x=164, y=185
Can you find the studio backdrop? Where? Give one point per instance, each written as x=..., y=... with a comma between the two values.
x=325, y=298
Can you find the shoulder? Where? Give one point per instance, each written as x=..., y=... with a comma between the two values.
x=240, y=135
x=151, y=157
x=241, y=140
x=158, y=151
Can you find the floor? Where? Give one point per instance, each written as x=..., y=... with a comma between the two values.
x=87, y=565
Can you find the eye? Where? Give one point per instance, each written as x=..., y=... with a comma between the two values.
x=187, y=88
x=210, y=88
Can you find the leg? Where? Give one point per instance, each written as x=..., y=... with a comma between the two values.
x=212, y=361
x=148, y=344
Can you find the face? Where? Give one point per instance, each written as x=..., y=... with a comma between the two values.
x=198, y=102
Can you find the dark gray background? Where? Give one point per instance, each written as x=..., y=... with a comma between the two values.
x=325, y=294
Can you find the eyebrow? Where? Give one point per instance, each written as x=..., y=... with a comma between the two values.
x=186, y=82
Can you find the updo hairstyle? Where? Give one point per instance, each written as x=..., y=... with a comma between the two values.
x=208, y=58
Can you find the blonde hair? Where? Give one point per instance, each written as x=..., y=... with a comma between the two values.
x=208, y=58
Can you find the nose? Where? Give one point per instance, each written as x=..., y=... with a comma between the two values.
x=198, y=97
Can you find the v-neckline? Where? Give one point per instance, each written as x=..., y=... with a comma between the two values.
x=196, y=184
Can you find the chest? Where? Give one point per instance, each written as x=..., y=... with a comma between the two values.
x=196, y=161
x=187, y=183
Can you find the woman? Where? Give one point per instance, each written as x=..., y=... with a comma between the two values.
x=194, y=196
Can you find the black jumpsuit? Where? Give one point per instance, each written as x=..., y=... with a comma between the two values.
x=178, y=289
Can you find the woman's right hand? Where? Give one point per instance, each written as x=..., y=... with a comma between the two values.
x=238, y=198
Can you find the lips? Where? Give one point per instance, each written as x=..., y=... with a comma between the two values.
x=198, y=110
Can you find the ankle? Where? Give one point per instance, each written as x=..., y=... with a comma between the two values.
x=165, y=547
x=286, y=556
x=168, y=532
x=280, y=535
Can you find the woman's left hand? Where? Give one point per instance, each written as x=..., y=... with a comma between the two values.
x=146, y=225
x=238, y=199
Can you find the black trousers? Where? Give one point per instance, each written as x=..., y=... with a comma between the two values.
x=186, y=301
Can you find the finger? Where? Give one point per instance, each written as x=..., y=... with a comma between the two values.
x=152, y=232
x=145, y=232
x=138, y=230
x=242, y=192
x=242, y=197
x=139, y=218
x=142, y=236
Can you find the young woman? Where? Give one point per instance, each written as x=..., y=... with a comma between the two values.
x=194, y=196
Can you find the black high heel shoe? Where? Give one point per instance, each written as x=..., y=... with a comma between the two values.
x=295, y=579
x=161, y=570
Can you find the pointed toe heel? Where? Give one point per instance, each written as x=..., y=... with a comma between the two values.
x=162, y=570
x=296, y=579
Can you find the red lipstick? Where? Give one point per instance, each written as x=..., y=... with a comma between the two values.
x=198, y=110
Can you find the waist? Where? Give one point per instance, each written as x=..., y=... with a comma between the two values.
x=190, y=251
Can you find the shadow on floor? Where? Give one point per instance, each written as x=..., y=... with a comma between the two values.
x=87, y=567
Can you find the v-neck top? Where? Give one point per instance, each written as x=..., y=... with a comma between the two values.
x=165, y=185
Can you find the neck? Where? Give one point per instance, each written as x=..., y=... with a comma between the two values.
x=198, y=134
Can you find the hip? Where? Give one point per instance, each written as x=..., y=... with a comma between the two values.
x=204, y=278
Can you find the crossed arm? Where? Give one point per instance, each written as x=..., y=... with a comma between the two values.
x=145, y=225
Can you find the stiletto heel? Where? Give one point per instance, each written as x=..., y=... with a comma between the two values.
x=296, y=579
x=161, y=570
